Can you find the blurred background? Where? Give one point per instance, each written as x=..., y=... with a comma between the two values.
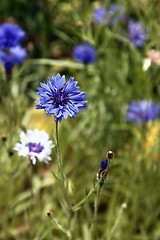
x=122, y=68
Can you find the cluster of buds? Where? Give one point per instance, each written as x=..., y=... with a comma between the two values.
x=102, y=173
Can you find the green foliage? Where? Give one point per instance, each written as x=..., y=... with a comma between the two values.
x=129, y=200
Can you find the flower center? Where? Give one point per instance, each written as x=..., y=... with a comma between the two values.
x=35, y=147
x=141, y=114
x=60, y=99
x=133, y=34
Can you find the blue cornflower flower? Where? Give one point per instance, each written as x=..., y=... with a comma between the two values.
x=112, y=15
x=136, y=33
x=142, y=111
x=14, y=55
x=85, y=53
x=11, y=51
x=116, y=14
x=10, y=35
x=61, y=98
x=100, y=15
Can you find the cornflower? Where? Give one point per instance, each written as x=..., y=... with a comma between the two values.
x=85, y=53
x=11, y=51
x=36, y=145
x=60, y=98
x=136, y=33
x=113, y=15
x=142, y=111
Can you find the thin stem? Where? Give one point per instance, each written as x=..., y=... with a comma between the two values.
x=66, y=201
x=98, y=185
x=32, y=185
x=84, y=200
x=123, y=207
x=96, y=203
x=60, y=161
x=61, y=228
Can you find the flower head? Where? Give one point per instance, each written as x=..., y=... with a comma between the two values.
x=15, y=55
x=102, y=169
x=142, y=111
x=85, y=53
x=61, y=98
x=153, y=57
x=100, y=15
x=10, y=35
x=136, y=33
x=11, y=51
x=113, y=15
x=116, y=14
x=35, y=144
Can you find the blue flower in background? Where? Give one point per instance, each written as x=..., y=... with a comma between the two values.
x=10, y=35
x=116, y=14
x=113, y=15
x=85, y=53
x=100, y=15
x=136, y=33
x=11, y=51
x=142, y=111
x=61, y=98
x=15, y=55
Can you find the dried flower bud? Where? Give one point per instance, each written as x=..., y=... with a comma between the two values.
x=4, y=138
x=10, y=153
x=79, y=24
x=92, y=22
x=49, y=214
x=124, y=205
x=110, y=154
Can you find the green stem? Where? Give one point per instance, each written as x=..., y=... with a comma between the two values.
x=66, y=201
x=124, y=205
x=61, y=228
x=84, y=200
x=60, y=161
x=32, y=187
x=96, y=203
x=98, y=186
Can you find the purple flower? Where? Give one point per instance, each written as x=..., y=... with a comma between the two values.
x=142, y=111
x=60, y=98
x=85, y=53
x=113, y=15
x=11, y=51
x=100, y=15
x=14, y=55
x=136, y=33
x=116, y=14
x=10, y=35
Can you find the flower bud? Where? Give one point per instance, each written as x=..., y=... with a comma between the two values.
x=4, y=138
x=79, y=24
x=49, y=214
x=110, y=154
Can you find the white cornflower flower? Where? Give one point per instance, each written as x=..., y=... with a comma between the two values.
x=35, y=144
